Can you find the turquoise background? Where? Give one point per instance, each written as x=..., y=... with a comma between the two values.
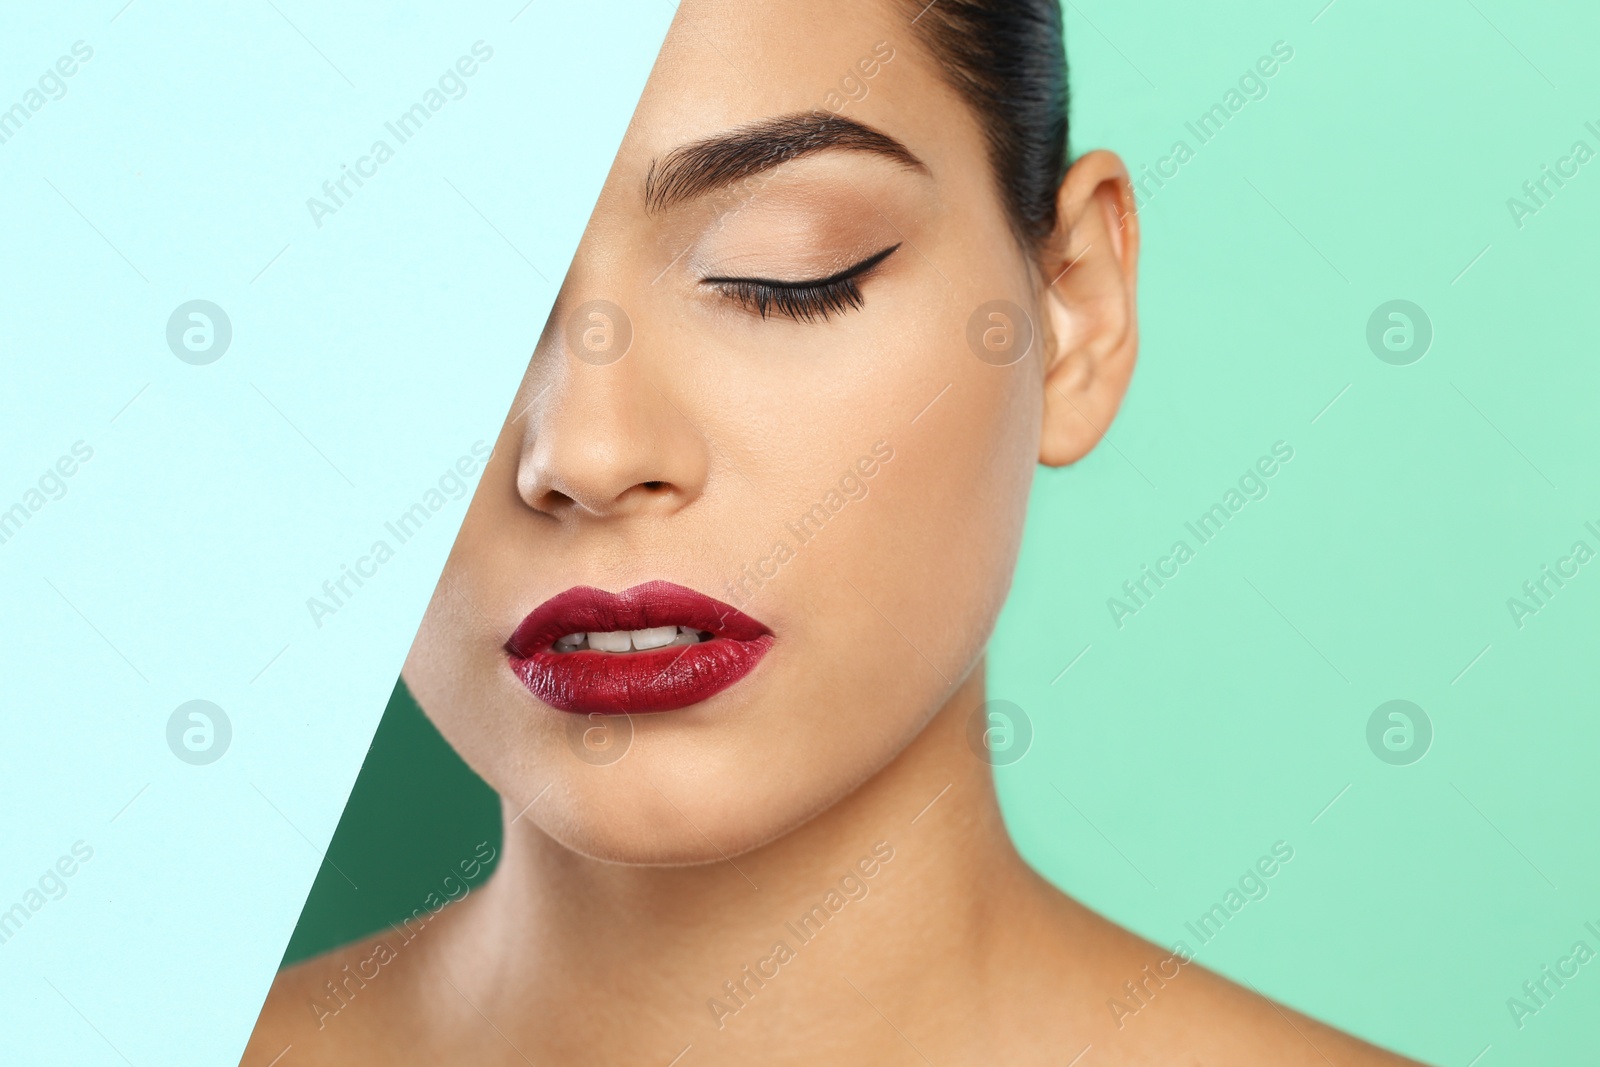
x=368, y=355
x=1229, y=713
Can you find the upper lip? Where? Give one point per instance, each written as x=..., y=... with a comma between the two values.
x=585, y=609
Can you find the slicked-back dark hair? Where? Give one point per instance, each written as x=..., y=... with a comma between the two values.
x=1006, y=58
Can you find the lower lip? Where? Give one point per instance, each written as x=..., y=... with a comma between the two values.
x=662, y=679
x=623, y=683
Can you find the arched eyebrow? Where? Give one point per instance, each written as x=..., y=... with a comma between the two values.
x=701, y=167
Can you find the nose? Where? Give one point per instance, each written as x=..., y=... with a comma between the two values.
x=605, y=439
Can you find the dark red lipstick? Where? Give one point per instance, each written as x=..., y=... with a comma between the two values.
x=715, y=645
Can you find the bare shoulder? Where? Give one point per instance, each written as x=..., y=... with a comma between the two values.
x=346, y=1007
x=1132, y=1002
x=1244, y=1027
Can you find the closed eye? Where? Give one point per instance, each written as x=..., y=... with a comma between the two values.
x=807, y=300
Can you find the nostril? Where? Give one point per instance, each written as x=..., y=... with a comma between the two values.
x=653, y=486
x=554, y=501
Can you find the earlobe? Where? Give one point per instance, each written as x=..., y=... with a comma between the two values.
x=1089, y=307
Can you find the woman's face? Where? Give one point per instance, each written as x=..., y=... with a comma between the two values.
x=849, y=469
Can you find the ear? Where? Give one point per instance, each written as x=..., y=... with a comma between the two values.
x=1089, y=307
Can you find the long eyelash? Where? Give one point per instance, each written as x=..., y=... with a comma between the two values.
x=805, y=301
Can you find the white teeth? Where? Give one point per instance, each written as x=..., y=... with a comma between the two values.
x=631, y=640
x=654, y=637
x=611, y=641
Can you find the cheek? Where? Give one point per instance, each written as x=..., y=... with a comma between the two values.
x=901, y=598
x=448, y=676
x=954, y=501
x=455, y=668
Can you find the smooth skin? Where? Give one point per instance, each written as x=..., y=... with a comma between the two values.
x=627, y=894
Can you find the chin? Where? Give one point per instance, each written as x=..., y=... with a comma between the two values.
x=631, y=823
x=678, y=798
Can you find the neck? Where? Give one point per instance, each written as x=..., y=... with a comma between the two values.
x=915, y=865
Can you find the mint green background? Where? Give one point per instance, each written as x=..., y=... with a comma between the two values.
x=1208, y=727
x=367, y=356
